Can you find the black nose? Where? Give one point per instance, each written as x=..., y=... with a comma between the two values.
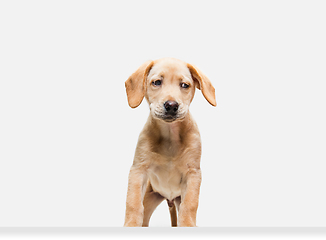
x=171, y=107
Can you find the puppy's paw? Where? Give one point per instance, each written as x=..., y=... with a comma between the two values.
x=133, y=222
x=186, y=222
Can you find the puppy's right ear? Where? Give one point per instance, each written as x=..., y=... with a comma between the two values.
x=135, y=85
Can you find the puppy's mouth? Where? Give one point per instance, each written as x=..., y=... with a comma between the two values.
x=169, y=117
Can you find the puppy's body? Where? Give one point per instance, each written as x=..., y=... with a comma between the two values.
x=170, y=152
x=167, y=157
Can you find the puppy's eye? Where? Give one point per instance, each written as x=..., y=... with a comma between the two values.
x=184, y=85
x=157, y=83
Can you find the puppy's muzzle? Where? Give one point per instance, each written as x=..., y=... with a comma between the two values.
x=171, y=109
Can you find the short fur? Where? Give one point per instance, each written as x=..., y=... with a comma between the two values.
x=167, y=158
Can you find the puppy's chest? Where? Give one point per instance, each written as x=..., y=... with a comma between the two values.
x=166, y=179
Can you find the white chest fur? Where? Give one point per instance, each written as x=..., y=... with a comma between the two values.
x=166, y=179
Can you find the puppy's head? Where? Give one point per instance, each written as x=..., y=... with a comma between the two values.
x=169, y=86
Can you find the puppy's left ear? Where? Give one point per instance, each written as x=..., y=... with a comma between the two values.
x=203, y=84
x=135, y=85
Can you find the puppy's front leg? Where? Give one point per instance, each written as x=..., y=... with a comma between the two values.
x=189, y=199
x=134, y=205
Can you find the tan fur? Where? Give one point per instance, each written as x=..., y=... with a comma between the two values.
x=167, y=158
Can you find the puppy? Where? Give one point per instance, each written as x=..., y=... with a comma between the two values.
x=167, y=158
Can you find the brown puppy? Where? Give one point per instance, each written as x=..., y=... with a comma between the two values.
x=167, y=157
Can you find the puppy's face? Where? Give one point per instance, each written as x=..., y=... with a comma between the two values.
x=170, y=89
x=168, y=85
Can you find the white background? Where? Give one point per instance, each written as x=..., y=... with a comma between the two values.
x=67, y=134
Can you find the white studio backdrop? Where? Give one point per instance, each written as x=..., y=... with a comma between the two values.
x=67, y=134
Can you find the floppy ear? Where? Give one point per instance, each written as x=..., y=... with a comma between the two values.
x=203, y=84
x=135, y=85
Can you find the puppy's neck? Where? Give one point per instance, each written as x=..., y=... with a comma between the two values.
x=169, y=131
